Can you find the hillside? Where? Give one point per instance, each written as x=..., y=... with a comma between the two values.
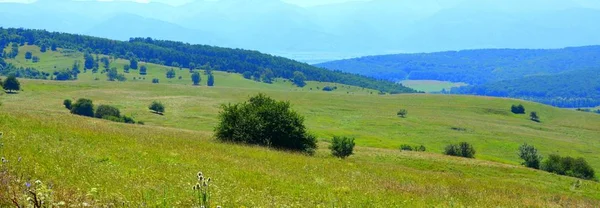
x=155, y=164
x=484, y=69
x=182, y=55
x=569, y=89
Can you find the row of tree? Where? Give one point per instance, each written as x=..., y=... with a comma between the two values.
x=179, y=54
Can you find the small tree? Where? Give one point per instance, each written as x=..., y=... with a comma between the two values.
x=171, y=74
x=463, y=149
x=43, y=49
x=105, y=111
x=420, y=148
x=143, y=70
x=299, y=79
x=112, y=74
x=28, y=55
x=35, y=59
x=133, y=64
x=11, y=84
x=126, y=68
x=530, y=156
x=68, y=104
x=196, y=78
x=155, y=81
x=534, y=116
x=247, y=75
x=83, y=107
x=342, y=147
x=402, y=113
x=211, y=80
x=517, y=109
x=157, y=107
x=53, y=47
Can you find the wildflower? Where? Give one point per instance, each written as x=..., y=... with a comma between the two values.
x=28, y=185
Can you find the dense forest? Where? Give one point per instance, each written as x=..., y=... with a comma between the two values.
x=178, y=54
x=471, y=66
x=569, y=89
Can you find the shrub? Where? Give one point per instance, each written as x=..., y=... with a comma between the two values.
x=68, y=104
x=342, y=147
x=517, y=109
x=530, y=156
x=157, y=107
x=534, y=116
x=420, y=148
x=196, y=78
x=569, y=166
x=463, y=149
x=402, y=113
x=127, y=119
x=264, y=121
x=107, y=111
x=328, y=88
x=155, y=81
x=406, y=147
x=141, y=123
x=11, y=84
x=83, y=107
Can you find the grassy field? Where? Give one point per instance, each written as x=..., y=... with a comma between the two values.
x=155, y=164
x=431, y=85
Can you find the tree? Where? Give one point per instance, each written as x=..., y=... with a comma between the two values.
x=196, y=78
x=126, y=68
x=112, y=74
x=11, y=84
x=247, y=75
x=157, y=107
x=35, y=59
x=342, y=147
x=43, y=49
x=211, y=80
x=192, y=66
x=133, y=64
x=105, y=111
x=256, y=76
x=143, y=70
x=299, y=79
x=89, y=62
x=266, y=122
x=68, y=104
x=534, y=116
x=402, y=113
x=520, y=109
x=53, y=47
x=105, y=62
x=171, y=74
x=267, y=76
x=28, y=55
x=463, y=149
x=530, y=156
x=83, y=107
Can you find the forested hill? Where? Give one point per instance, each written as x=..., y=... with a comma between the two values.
x=178, y=54
x=471, y=66
x=569, y=89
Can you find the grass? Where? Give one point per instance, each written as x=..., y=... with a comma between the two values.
x=431, y=85
x=155, y=164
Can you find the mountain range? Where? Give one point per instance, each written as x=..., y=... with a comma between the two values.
x=325, y=32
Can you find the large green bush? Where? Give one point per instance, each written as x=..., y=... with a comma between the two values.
x=83, y=107
x=264, y=121
x=530, y=156
x=569, y=166
x=104, y=111
x=463, y=149
x=342, y=147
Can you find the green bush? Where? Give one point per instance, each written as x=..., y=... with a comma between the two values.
x=534, y=116
x=68, y=104
x=264, y=121
x=157, y=107
x=83, y=107
x=402, y=113
x=11, y=84
x=406, y=147
x=463, y=149
x=420, y=148
x=530, y=156
x=342, y=147
x=569, y=166
x=107, y=111
x=517, y=109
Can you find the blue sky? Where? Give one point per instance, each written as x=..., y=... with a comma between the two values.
x=179, y=2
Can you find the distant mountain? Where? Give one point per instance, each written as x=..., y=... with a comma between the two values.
x=471, y=66
x=570, y=89
x=327, y=32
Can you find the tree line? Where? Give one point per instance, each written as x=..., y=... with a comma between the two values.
x=178, y=54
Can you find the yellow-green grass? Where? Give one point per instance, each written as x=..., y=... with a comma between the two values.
x=129, y=162
x=431, y=85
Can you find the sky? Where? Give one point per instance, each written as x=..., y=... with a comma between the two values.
x=304, y=3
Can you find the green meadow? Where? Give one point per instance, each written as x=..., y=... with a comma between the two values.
x=155, y=164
